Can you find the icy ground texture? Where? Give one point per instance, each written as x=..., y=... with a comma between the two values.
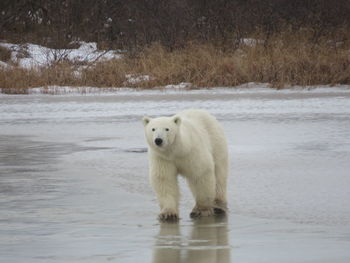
x=74, y=184
x=31, y=55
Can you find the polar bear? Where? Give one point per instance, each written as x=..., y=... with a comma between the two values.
x=192, y=144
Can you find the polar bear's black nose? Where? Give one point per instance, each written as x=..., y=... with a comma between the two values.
x=158, y=141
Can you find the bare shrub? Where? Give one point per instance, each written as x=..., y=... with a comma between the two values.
x=135, y=24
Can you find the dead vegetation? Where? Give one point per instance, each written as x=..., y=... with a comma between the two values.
x=5, y=54
x=289, y=58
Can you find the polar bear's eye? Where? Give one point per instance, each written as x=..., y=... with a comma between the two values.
x=153, y=129
x=166, y=129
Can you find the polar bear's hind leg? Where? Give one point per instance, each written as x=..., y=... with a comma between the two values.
x=221, y=174
x=203, y=190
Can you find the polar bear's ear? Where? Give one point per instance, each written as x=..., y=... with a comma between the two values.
x=177, y=120
x=146, y=120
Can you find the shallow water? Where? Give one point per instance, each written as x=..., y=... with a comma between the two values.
x=74, y=187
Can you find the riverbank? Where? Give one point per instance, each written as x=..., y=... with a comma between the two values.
x=284, y=60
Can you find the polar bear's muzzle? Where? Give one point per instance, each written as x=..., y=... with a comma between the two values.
x=158, y=141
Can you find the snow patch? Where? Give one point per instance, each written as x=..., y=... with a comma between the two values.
x=31, y=55
x=182, y=85
x=136, y=78
x=251, y=42
x=68, y=90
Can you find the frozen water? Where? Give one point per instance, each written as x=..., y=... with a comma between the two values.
x=74, y=187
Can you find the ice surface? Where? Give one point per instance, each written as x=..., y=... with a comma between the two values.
x=74, y=184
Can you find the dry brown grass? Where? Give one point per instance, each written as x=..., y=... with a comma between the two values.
x=5, y=54
x=18, y=80
x=285, y=59
x=295, y=60
x=201, y=65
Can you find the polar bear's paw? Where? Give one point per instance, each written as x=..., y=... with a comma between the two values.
x=168, y=215
x=201, y=211
x=220, y=207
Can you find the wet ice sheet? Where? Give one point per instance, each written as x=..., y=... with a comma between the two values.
x=74, y=180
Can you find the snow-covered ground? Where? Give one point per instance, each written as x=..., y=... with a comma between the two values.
x=31, y=55
x=74, y=185
x=184, y=87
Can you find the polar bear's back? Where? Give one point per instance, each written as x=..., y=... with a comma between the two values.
x=200, y=117
x=209, y=128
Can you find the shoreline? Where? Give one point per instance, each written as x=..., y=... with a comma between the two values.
x=250, y=88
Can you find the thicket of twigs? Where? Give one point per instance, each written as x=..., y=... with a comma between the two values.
x=134, y=24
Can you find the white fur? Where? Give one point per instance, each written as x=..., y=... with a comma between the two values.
x=194, y=146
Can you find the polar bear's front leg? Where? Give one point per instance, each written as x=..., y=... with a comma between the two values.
x=163, y=177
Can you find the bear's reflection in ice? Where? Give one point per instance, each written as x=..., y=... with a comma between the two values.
x=208, y=242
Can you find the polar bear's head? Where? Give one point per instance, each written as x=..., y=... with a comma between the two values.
x=161, y=132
